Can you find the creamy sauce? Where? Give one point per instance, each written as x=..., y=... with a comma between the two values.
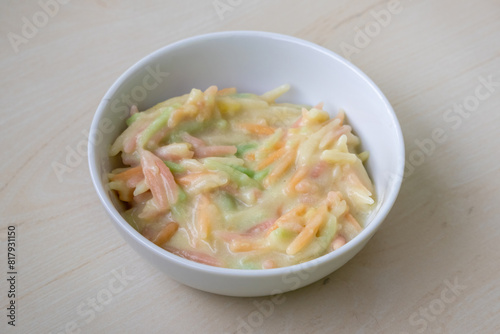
x=239, y=181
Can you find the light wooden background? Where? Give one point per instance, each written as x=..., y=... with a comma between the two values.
x=431, y=57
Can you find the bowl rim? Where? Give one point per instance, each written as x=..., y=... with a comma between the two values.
x=364, y=235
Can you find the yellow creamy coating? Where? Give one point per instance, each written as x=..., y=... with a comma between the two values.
x=240, y=181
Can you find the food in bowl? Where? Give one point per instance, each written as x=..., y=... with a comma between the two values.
x=252, y=57
x=237, y=180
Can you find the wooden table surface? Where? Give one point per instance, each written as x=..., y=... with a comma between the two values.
x=433, y=267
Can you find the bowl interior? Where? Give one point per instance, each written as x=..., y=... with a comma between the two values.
x=257, y=62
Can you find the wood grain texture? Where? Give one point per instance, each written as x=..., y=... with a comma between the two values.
x=443, y=230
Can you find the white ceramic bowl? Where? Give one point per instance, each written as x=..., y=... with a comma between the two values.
x=252, y=62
